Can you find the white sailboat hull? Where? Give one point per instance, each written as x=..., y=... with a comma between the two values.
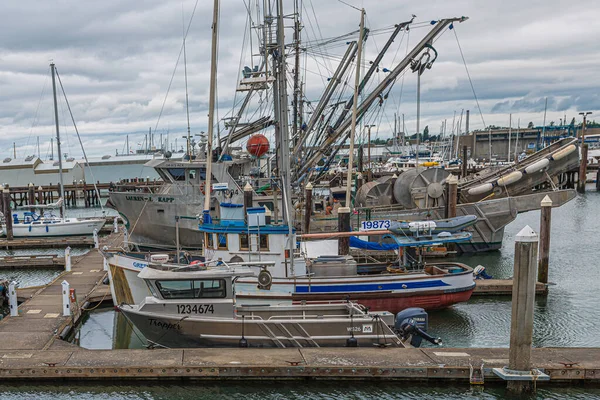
x=67, y=227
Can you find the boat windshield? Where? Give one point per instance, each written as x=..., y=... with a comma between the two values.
x=192, y=289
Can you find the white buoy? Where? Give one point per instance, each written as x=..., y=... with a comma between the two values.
x=116, y=225
x=68, y=259
x=481, y=189
x=537, y=166
x=96, y=242
x=12, y=299
x=562, y=153
x=66, y=299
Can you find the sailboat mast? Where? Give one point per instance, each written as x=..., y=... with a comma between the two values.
x=60, y=170
x=187, y=104
x=296, y=69
x=355, y=108
x=211, y=107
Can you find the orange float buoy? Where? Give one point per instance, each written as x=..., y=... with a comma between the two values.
x=257, y=145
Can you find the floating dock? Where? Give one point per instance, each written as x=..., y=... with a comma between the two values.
x=66, y=361
x=44, y=243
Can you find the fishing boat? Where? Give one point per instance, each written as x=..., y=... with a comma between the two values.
x=197, y=306
x=34, y=225
x=313, y=271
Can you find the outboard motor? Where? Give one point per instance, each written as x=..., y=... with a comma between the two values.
x=479, y=273
x=412, y=323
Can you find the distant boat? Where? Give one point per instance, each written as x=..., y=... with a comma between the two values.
x=34, y=225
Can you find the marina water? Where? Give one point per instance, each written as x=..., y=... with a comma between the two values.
x=567, y=317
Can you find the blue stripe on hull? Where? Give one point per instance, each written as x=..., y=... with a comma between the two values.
x=376, y=287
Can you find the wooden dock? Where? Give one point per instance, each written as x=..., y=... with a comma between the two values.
x=40, y=319
x=436, y=365
x=49, y=242
x=502, y=287
x=33, y=261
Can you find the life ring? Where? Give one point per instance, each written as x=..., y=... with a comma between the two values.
x=202, y=188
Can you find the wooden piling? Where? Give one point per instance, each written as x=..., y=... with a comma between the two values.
x=583, y=169
x=598, y=179
x=464, y=162
x=308, y=191
x=344, y=226
x=7, y=214
x=452, y=183
x=40, y=198
x=544, y=239
x=31, y=197
x=523, y=296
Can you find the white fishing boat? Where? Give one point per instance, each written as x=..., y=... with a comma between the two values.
x=196, y=306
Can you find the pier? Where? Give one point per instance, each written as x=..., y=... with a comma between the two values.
x=41, y=318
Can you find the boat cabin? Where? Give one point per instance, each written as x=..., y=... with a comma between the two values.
x=248, y=238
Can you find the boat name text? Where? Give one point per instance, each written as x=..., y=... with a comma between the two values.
x=195, y=309
x=165, y=325
x=159, y=199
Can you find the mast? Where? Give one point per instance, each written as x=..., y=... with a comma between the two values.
x=211, y=108
x=187, y=104
x=354, y=109
x=296, y=69
x=60, y=171
x=509, y=135
x=52, y=148
x=38, y=146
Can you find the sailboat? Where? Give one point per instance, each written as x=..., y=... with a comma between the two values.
x=34, y=225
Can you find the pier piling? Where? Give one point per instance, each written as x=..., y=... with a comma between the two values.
x=523, y=296
x=583, y=169
x=31, y=197
x=96, y=241
x=68, y=259
x=40, y=198
x=344, y=226
x=464, y=162
x=545, y=218
x=7, y=213
x=452, y=183
x=308, y=191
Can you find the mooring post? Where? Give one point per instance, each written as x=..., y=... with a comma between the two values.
x=116, y=224
x=544, y=239
x=12, y=299
x=8, y=221
x=464, y=163
x=105, y=261
x=598, y=179
x=2, y=199
x=523, y=296
x=583, y=169
x=308, y=192
x=31, y=196
x=452, y=183
x=68, y=259
x=66, y=301
x=344, y=226
x=40, y=198
x=125, y=238
x=96, y=241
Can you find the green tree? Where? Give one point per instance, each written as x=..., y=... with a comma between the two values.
x=530, y=125
x=426, y=133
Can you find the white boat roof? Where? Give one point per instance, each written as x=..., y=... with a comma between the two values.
x=214, y=272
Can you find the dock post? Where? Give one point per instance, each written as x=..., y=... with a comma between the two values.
x=452, y=183
x=544, y=239
x=598, y=179
x=31, y=197
x=104, y=263
x=12, y=299
x=583, y=169
x=344, y=226
x=464, y=163
x=523, y=296
x=96, y=241
x=40, y=199
x=125, y=238
x=308, y=192
x=1, y=199
x=68, y=259
x=7, y=214
x=66, y=301
x=116, y=225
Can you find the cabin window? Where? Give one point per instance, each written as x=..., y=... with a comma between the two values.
x=192, y=289
x=209, y=242
x=222, y=241
x=178, y=174
x=245, y=245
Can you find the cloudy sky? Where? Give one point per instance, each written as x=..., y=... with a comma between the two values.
x=116, y=60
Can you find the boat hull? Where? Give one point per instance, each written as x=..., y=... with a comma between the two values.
x=76, y=228
x=392, y=292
